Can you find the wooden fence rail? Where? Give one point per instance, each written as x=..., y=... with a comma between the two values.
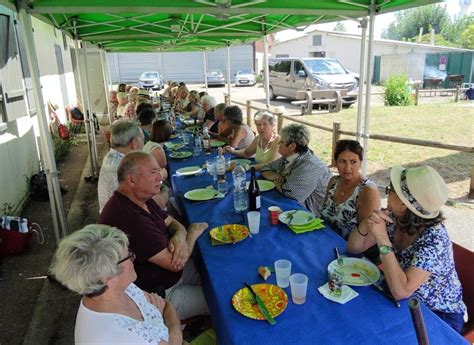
x=337, y=132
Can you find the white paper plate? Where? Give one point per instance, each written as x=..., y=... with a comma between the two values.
x=188, y=171
x=351, y=268
x=296, y=217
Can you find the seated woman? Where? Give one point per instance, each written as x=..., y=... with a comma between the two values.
x=96, y=263
x=194, y=108
x=122, y=104
x=160, y=132
x=209, y=106
x=265, y=144
x=220, y=128
x=242, y=135
x=146, y=117
x=416, y=252
x=350, y=196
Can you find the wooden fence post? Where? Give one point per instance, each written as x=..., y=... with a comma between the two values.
x=280, y=119
x=417, y=93
x=249, y=114
x=336, y=126
x=227, y=99
x=456, y=94
x=471, y=188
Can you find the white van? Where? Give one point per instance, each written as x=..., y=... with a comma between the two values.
x=290, y=75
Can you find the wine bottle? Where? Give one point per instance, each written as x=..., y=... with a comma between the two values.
x=220, y=166
x=254, y=193
x=206, y=141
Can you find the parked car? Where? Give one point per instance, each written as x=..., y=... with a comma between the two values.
x=290, y=75
x=215, y=77
x=245, y=76
x=151, y=80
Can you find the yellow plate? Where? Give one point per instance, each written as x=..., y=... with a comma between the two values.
x=274, y=298
x=229, y=233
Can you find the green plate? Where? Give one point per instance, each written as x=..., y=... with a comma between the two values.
x=217, y=143
x=201, y=194
x=296, y=217
x=193, y=129
x=314, y=225
x=241, y=161
x=263, y=185
x=188, y=171
x=173, y=146
x=181, y=154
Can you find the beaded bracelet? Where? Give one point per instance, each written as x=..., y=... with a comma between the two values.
x=358, y=230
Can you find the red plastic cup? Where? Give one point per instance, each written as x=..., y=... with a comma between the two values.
x=274, y=212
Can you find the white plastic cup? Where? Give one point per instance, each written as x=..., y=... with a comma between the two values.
x=282, y=272
x=253, y=218
x=299, y=286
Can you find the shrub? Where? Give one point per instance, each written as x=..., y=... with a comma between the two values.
x=397, y=91
x=62, y=147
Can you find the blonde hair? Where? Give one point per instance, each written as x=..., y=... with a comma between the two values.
x=88, y=257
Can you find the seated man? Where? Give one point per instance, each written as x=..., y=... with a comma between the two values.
x=162, y=245
x=126, y=136
x=298, y=174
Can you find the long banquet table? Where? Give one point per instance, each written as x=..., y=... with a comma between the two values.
x=368, y=319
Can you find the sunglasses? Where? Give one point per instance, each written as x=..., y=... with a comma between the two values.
x=131, y=255
x=389, y=189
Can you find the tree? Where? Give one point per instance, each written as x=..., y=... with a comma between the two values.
x=453, y=30
x=439, y=40
x=408, y=23
x=467, y=37
x=340, y=27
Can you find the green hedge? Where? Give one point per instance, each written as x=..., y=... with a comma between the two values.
x=397, y=91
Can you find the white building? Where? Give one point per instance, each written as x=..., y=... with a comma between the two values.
x=346, y=48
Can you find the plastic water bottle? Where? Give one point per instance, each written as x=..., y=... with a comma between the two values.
x=240, y=195
x=220, y=165
x=197, y=144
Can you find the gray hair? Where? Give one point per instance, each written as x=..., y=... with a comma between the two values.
x=129, y=164
x=88, y=257
x=206, y=99
x=296, y=133
x=123, y=132
x=233, y=114
x=264, y=115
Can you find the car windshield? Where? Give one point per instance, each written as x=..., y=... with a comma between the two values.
x=245, y=71
x=215, y=73
x=325, y=66
x=149, y=75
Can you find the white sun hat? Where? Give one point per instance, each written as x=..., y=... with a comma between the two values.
x=421, y=189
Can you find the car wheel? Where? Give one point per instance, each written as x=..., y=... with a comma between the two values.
x=272, y=94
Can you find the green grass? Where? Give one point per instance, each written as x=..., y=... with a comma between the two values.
x=450, y=123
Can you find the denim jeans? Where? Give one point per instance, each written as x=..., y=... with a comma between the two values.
x=455, y=320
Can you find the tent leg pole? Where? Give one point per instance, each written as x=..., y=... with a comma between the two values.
x=46, y=143
x=204, y=56
x=81, y=91
x=369, y=73
x=266, y=71
x=104, y=78
x=228, y=71
x=360, y=103
x=90, y=117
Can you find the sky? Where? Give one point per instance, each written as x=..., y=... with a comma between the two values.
x=381, y=22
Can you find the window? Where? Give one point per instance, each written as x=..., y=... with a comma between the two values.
x=317, y=40
x=298, y=66
x=282, y=55
x=284, y=67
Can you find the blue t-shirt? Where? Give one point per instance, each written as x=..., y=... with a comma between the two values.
x=432, y=251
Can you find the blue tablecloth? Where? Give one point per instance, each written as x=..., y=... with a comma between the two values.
x=368, y=319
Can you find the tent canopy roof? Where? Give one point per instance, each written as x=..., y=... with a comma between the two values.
x=151, y=25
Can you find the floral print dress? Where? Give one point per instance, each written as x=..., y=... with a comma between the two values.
x=342, y=217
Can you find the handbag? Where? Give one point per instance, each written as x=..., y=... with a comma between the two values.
x=15, y=235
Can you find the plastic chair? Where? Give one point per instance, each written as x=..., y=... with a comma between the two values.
x=463, y=259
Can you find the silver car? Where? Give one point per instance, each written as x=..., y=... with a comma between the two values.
x=245, y=76
x=151, y=80
x=288, y=76
x=215, y=77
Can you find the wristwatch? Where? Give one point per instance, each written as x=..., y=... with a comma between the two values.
x=384, y=249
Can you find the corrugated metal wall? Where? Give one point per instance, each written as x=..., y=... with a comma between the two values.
x=179, y=66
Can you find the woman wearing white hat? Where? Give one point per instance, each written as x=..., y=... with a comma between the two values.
x=414, y=246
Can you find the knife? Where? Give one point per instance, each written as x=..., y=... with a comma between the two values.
x=378, y=287
x=340, y=261
x=261, y=305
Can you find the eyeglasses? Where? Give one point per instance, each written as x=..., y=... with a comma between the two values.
x=389, y=189
x=131, y=255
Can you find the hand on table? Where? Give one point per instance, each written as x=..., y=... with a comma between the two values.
x=228, y=148
x=196, y=229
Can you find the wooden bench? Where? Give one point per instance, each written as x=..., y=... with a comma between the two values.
x=331, y=98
